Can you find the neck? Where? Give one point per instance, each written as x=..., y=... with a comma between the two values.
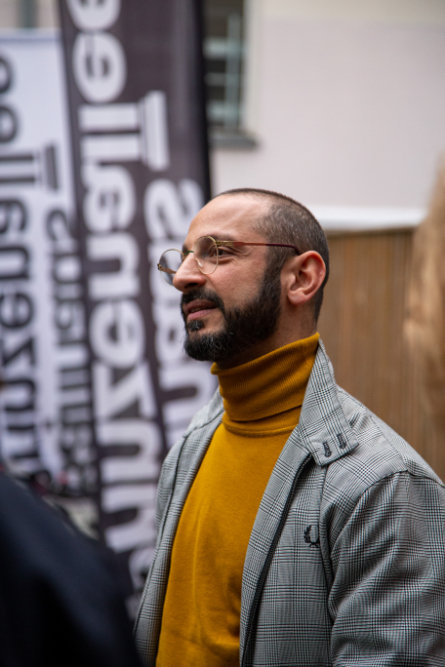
x=281, y=338
x=272, y=383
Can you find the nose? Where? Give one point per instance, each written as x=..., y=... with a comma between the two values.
x=188, y=275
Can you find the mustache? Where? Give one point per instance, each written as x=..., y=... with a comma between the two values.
x=201, y=293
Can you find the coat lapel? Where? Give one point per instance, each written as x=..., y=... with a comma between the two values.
x=196, y=441
x=324, y=434
x=266, y=526
x=324, y=430
x=197, y=438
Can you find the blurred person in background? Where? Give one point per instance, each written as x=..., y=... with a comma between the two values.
x=425, y=323
x=295, y=528
x=60, y=602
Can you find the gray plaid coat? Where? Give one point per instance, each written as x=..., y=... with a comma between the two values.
x=345, y=564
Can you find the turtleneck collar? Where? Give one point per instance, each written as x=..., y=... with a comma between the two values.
x=269, y=386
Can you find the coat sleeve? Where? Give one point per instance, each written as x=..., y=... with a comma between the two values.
x=387, y=599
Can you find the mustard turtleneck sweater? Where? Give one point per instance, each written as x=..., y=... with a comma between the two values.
x=262, y=402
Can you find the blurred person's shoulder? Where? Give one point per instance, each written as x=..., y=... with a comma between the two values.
x=56, y=582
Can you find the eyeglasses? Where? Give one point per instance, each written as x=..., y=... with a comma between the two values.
x=206, y=253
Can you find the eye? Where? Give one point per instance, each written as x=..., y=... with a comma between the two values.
x=224, y=250
x=212, y=251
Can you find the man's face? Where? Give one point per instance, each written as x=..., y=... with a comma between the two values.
x=235, y=309
x=244, y=326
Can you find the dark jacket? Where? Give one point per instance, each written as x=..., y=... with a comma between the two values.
x=59, y=601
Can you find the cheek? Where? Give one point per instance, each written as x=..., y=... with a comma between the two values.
x=240, y=286
x=235, y=294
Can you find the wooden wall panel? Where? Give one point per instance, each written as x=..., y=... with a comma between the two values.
x=361, y=324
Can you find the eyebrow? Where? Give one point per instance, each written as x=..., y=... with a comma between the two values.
x=217, y=237
x=223, y=237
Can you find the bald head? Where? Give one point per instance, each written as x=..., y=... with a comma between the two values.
x=281, y=219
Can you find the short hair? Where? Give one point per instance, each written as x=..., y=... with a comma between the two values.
x=288, y=221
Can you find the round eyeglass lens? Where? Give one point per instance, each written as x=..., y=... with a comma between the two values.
x=206, y=254
x=169, y=263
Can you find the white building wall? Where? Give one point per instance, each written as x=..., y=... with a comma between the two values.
x=347, y=101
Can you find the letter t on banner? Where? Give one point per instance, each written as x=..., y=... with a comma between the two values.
x=139, y=139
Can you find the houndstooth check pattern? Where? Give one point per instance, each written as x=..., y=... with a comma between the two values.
x=346, y=561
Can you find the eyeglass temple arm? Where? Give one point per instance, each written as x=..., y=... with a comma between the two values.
x=235, y=244
x=165, y=270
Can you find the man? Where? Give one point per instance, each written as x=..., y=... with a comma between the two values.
x=295, y=528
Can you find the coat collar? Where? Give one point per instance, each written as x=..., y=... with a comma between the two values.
x=323, y=429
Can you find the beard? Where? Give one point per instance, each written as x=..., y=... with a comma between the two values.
x=243, y=326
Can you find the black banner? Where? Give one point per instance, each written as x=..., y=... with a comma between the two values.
x=135, y=88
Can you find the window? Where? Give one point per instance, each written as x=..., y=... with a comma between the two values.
x=224, y=51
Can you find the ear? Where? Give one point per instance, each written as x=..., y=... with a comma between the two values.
x=302, y=277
